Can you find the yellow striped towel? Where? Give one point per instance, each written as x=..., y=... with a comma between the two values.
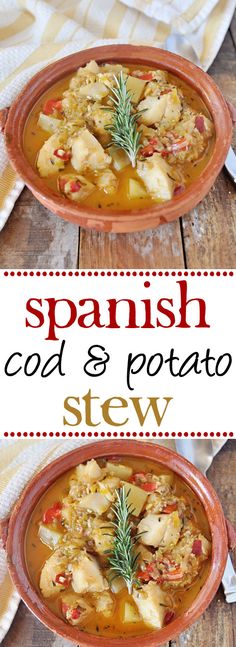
x=34, y=33
x=19, y=461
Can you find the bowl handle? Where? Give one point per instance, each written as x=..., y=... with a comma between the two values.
x=3, y=118
x=232, y=111
x=231, y=532
x=4, y=523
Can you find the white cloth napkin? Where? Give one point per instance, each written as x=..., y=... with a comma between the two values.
x=34, y=33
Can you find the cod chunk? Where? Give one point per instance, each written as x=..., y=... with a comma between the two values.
x=160, y=529
x=89, y=473
x=107, y=181
x=47, y=162
x=55, y=565
x=87, y=153
x=151, y=603
x=165, y=109
x=87, y=576
x=104, y=603
x=155, y=173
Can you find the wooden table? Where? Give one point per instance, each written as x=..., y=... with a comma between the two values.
x=217, y=626
x=206, y=237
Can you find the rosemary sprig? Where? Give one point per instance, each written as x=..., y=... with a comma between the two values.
x=123, y=128
x=123, y=558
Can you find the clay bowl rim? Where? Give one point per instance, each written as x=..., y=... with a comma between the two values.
x=15, y=545
x=120, y=221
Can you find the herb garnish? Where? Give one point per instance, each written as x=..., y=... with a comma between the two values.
x=123, y=128
x=123, y=558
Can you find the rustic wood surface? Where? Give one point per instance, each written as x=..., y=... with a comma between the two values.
x=217, y=626
x=206, y=237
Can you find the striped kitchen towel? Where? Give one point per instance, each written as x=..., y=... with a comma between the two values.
x=34, y=33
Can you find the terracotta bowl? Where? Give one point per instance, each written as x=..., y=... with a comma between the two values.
x=15, y=543
x=120, y=221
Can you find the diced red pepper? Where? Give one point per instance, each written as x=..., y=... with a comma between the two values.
x=52, y=105
x=62, y=154
x=146, y=575
x=64, y=579
x=147, y=151
x=165, y=92
x=150, y=148
x=75, y=614
x=173, y=576
x=179, y=189
x=164, y=153
x=200, y=124
x=53, y=513
x=197, y=547
x=180, y=144
x=169, y=616
x=170, y=507
x=138, y=476
x=147, y=76
x=75, y=186
x=148, y=487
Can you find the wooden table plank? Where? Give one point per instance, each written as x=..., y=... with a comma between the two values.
x=209, y=231
x=160, y=247
x=217, y=625
x=34, y=237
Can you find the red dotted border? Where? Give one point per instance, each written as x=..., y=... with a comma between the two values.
x=121, y=434
x=118, y=273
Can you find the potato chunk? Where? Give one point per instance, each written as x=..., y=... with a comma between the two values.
x=135, y=498
x=87, y=153
x=136, y=87
x=151, y=603
x=122, y=471
x=96, y=502
x=130, y=613
x=160, y=529
x=87, y=576
x=57, y=563
x=89, y=473
x=154, y=172
x=136, y=190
